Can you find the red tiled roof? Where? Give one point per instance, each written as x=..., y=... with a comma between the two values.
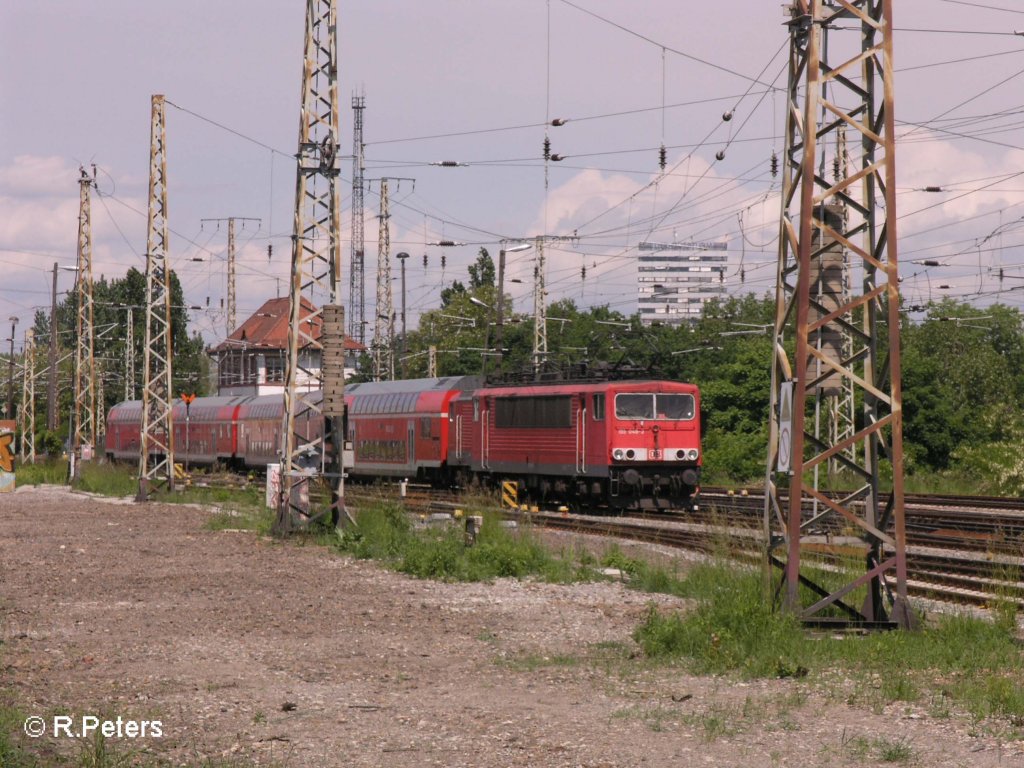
x=267, y=328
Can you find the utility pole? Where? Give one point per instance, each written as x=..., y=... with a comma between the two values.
x=84, y=413
x=51, y=382
x=231, y=318
x=500, y=321
x=432, y=362
x=156, y=446
x=357, y=275
x=28, y=399
x=540, y=312
x=382, y=351
x=101, y=409
x=405, y=346
x=858, y=71
x=315, y=332
x=10, y=372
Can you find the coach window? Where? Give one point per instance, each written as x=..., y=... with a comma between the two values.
x=425, y=427
x=599, y=407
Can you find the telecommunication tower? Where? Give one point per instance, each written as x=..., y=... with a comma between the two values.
x=357, y=275
x=84, y=417
x=315, y=331
x=852, y=86
x=156, y=447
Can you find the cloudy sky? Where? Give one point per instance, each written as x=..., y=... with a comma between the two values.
x=476, y=82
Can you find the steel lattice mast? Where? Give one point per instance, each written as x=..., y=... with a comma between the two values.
x=383, y=354
x=231, y=314
x=156, y=447
x=129, y=357
x=315, y=360
x=852, y=88
x=357, y=274
x=540, y=311
x=28, y=399
x=84, y=417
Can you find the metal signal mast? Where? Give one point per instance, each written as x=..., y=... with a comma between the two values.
x=84, y=417
x=231, y=318
x=156, y=447
x=315, y=333
x=357, y=278
x=383, y=354
x=857, y=212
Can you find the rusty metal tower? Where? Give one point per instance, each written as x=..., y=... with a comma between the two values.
x=84, y=416
x=156, y=447
x=357, y=274
x=315, y=361
x=383, y=354
x=851, y=86
x=28, y=399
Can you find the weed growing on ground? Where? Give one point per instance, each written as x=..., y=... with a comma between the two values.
x=386, y=533
x=958, y=660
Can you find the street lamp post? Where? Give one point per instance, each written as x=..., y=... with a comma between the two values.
x=500, y=320
x=10, y=380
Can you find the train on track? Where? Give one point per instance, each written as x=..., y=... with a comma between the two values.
x=613, y=444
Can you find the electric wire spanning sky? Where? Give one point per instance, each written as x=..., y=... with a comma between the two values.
x=460, y=97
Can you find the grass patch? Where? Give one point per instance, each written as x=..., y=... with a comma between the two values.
x=45, y=472
x=958, y=660
x=386, y=533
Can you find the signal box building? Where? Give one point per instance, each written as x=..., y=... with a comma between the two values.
x=252, y=360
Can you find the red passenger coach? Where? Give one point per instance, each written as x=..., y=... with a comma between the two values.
x=624, y=444
x=124, y=426
x=209, y=435
x=401, y=428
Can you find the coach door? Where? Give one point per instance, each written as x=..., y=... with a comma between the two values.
x=485, y=441
x=410, y=457
x=581, y=435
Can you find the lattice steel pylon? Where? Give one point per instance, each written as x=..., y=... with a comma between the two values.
x=540, y=311
x=315, y=331
x=84, y=416
x=357, y=273
x=859, y=79
x=156, y=446
x=28, y=399
x=383, y=354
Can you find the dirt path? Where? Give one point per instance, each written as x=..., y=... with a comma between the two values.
x=279, y=654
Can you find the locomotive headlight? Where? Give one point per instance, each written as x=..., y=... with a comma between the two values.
x=692, y=454
x=617, y=454
x=630, y=454
x=681, y=453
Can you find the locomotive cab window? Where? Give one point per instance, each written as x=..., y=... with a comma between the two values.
x=599, y=407
x=664, y=406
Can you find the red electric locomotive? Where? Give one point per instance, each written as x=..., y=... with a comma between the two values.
x=620, y=444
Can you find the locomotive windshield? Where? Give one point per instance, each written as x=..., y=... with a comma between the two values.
x=673, y=407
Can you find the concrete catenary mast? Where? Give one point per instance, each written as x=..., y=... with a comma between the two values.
x=850, y=81
x=315, y=357
x=156, y=447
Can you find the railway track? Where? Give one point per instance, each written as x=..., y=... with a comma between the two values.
x=963, y=555
x=960, y=549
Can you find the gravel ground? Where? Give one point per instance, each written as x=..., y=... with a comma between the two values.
x=253, y=651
